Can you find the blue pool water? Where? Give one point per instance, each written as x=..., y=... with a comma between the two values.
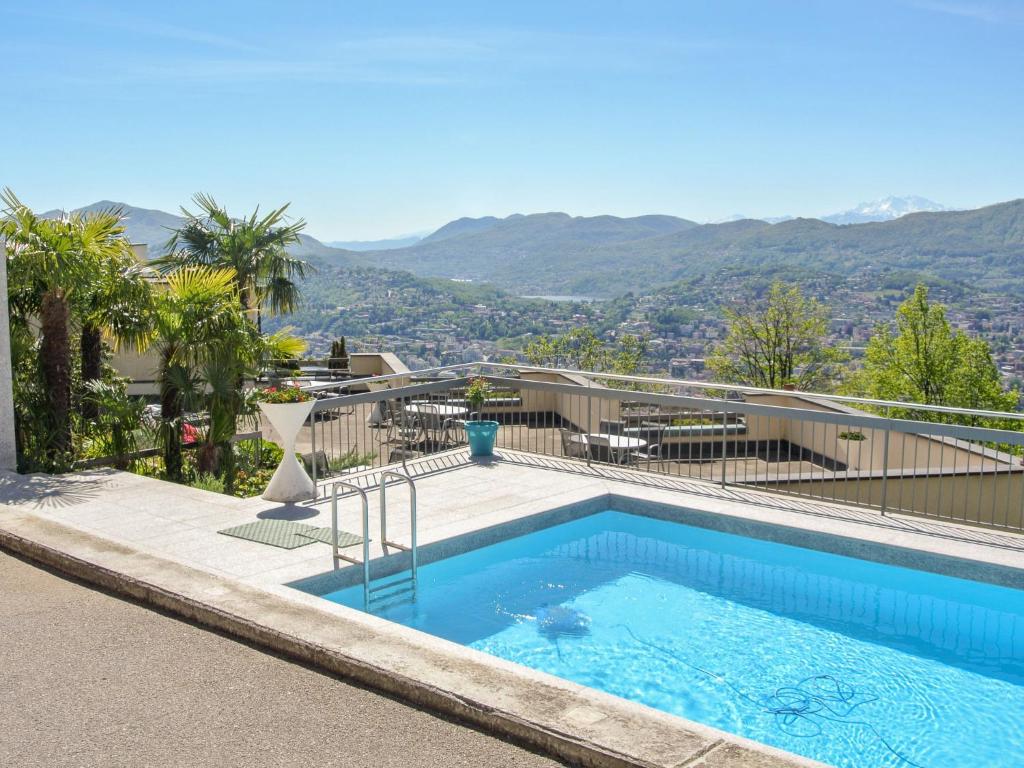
x=846, y=661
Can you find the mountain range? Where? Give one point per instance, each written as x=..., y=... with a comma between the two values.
x=606, y=256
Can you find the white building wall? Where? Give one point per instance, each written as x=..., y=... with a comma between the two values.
x=8, y=457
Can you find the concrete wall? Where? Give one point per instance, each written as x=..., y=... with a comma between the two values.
x=367, y=364
x=992, y=498
x=8, y=454
x=140, y=368
x=905, y=450
x=575, y=407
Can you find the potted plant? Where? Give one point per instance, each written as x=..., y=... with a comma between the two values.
x=287, y=408
x=851, y=446
x=481, y=434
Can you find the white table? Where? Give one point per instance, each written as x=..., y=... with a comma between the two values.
x=618, y=446
x=445, y=411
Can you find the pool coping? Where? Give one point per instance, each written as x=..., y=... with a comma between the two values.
x=571, y=722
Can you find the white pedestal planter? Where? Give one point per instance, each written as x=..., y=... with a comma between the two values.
x=290, y=482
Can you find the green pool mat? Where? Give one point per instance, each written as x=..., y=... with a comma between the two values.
x=345, y=539
x=288, y=534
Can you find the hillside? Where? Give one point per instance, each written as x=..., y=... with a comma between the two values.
x=510, y=249
x=607, y=256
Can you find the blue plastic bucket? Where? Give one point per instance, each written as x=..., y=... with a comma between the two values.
x=481, y=436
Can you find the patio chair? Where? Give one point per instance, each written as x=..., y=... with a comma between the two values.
x=403, y=426
x=437, y=429
x=574, y=446
x=601, y=450
x=652, y=452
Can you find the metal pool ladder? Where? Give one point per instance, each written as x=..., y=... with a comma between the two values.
x=409, y=580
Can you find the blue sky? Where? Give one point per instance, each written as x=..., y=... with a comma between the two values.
x=377, y=119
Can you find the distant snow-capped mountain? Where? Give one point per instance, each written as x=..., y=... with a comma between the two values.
x=886, y=209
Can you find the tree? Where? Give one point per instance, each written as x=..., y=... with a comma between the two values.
x=198, y=307
x=206, y=346
x=582, y=350
x=51, y=260
x=238, y=354
x=778, y=341
x=925, y=361
x=113, y=302
x=255, y=248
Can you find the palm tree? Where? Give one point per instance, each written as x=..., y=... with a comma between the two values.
x=254, y=247
x=54, y=258
x=206, y=346
x=198, y=309
x=237, y=356
x=113, y=303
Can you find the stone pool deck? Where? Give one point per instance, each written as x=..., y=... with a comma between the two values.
x=158, y=543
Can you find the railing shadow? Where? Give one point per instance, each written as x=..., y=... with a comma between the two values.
x=434, y=464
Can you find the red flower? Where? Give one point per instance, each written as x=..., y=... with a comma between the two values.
x=189, y=434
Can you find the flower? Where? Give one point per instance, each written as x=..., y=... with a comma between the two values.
x=277, y=396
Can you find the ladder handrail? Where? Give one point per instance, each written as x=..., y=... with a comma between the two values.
x=412, y=516
x=366, y=533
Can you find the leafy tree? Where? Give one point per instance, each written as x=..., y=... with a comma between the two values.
x=582, y=350
x=778, y=341
x=255, y=248
x=926, y=361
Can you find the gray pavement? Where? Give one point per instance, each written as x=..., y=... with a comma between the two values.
x=87, y=679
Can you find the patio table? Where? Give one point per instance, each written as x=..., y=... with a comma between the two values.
x=619, y=446
x=445, y=411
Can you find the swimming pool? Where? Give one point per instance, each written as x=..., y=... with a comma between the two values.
x=845, y=661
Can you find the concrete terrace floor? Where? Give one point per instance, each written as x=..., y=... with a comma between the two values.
x=92, y=680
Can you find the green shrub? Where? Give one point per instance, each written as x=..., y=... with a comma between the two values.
x=208, y=482
x=352, y=458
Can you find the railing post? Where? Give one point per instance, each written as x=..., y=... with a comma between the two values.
x=312, y=450
x=590, y=426
x=885, y=466
x=724, y=432
x=405, y=435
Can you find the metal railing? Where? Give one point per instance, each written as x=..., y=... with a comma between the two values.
x=813, y=446
x=337, y=554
